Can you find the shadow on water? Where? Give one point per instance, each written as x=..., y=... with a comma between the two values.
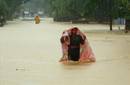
x=76, y=66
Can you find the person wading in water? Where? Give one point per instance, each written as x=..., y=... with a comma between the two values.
x=75, y=47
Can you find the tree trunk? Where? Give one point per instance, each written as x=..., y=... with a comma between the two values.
x=110, y=23
x=127, y=25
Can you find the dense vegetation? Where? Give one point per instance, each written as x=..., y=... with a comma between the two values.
x=102, y=11
x=90, y=10
x=8, y=8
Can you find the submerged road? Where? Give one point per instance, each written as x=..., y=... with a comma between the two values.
x=29, y=55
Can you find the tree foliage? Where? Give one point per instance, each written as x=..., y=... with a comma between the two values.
x=68, y=10
x=3, y=8
x=98, y=9
x=9, y=7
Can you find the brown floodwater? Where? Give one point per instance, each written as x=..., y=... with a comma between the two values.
x=29, y=55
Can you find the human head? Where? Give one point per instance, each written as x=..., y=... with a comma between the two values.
x=74, y=30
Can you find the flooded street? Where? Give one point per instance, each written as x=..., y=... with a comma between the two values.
x=29, y=55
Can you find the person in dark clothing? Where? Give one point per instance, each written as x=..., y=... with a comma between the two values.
x=74, y=46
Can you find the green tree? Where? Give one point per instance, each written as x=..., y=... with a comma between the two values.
x=3, y=8
x=99, y=10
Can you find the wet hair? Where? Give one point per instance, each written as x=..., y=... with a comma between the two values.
x=74, y=28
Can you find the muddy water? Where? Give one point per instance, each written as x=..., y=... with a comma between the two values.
x=29, y=55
